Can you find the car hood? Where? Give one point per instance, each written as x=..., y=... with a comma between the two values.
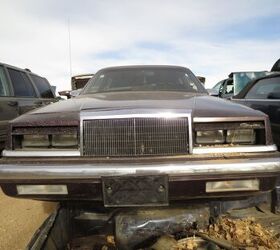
x=201, y=105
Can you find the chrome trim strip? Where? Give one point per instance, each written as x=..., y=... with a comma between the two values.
x=195, y=150
x=40, y=153
x=228, y=119
x=190, y=123
x=155, y=115
x=81, y=134
x=175, y=170
x=239, y=149
x=136, y=113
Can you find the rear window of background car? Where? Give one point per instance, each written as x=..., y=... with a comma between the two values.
x=43, y=86
x=4, y=90
x=263, y=88
x=21, y=84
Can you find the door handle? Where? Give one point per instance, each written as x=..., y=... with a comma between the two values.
x=13, y=103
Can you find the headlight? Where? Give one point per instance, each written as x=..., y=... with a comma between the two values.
x=225, y=134
x=68, y=140
x=210, y=137
x=241, y=136
x=48, y=141
x=35, y=141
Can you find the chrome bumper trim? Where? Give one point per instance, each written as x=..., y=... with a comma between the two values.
x=40, y=153
x=95, y=171
x=196, y=150
x=239, y=149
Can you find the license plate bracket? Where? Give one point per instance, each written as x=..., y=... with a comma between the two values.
x=136, y=191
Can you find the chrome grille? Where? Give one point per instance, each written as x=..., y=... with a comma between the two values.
x=135, y=137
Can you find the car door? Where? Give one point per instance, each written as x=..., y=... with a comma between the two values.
x=8, y=104
x=265, y=96
x=23, y=90
x=227, y=89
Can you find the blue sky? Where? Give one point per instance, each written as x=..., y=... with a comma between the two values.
x=211, y=37
x=262, y=28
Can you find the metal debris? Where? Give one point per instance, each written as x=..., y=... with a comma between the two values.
x=140, y=227
x=244, y=233
x=226, y=233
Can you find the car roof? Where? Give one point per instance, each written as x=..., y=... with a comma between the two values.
x=20, y=69
x=144, y=67
x=244, y=91
x=252, y=71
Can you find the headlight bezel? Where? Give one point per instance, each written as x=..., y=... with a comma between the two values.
x=25, y=138
x=255, y=129
x=259, y=128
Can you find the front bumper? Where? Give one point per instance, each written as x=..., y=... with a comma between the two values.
x=94, y=171
x=187, y=178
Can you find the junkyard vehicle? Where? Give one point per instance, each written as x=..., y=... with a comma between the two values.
x=235, y=83
x=77, y=84
x=142, y=136
x=79, y=81
x=20, y=91
x=264, y=94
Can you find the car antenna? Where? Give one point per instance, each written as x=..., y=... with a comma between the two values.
x=69, y=45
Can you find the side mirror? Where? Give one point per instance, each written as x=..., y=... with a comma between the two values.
x=66, y=93
x=70, y=93
x=274, y=95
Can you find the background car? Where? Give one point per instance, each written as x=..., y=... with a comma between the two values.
x=235, y=83
x=20, y=91
x=77, y=84
x=79, y=81
x=264, y=94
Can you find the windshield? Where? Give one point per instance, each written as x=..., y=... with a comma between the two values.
x=144, y=79
x=241, y=79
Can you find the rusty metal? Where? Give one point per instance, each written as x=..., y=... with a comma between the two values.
x=139, y=227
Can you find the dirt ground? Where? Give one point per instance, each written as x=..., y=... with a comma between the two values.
x=19, y=219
